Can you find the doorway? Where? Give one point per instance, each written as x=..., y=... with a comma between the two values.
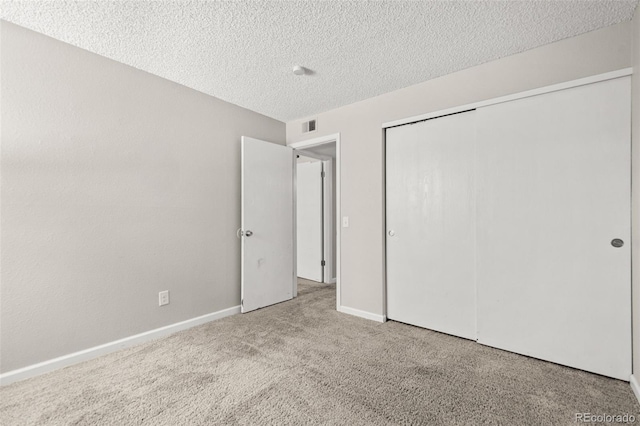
x=324, y=152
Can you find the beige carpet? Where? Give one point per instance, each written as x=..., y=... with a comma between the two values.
x=301, y=362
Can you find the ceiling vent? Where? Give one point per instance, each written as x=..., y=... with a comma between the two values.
x=309, y=126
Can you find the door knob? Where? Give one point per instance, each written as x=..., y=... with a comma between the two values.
x=248, y=233
x=617, y=242
x=392, y=233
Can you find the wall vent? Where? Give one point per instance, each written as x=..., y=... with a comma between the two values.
x=309, y=126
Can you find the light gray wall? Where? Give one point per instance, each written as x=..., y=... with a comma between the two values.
x=116, y=184
x=362, y=275
x=635, y=194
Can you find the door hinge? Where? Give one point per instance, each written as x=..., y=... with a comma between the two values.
x=322, y=174
x=322, y=263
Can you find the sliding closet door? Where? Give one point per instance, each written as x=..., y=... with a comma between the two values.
x=553, y=209
x=430, y=224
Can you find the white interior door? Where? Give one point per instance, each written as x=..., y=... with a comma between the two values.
x=309, y=220
x=431, y=224
x=268, y=269
x=553, y=192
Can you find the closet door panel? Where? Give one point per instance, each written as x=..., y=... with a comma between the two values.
x=431, y=224
x=553, y=191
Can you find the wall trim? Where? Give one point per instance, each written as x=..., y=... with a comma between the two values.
x=635, y=386
x=362, y=314
x=539, y=91
x=320, y=140
x=96, y=351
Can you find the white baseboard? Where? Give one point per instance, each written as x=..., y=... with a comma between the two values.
x=362, y=314
x=635, y=387
x=332, y=281
x=96, y=351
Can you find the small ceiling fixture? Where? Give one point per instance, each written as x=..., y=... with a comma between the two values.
x=298, y=70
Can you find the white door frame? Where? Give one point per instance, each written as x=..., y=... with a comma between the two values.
x=322, y=140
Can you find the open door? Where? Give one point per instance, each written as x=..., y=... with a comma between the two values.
x=267, y=225
x=310, y=262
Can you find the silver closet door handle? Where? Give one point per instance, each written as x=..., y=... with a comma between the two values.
x=239, y=233
x=392, y=233
x=617, y=242
x=248, y=233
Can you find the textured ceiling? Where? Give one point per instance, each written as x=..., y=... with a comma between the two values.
x=243, y=51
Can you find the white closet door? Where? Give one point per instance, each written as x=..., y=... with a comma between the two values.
x=553, y=192
x=309, y=220
x=431, y=224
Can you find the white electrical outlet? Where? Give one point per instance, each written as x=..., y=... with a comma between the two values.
x=163, y=298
